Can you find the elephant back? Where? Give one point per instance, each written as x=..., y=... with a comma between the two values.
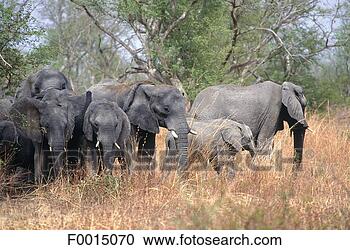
x=41, y=81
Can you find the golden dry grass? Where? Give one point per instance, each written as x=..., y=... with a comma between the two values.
x=318, y=197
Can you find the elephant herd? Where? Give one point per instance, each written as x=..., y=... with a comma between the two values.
x=47, y=126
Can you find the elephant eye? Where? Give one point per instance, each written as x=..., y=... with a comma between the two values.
x=161, y=110
x=44, y=130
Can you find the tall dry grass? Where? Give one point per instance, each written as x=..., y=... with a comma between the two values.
x=318, y=197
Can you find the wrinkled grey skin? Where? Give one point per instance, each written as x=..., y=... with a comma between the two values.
x=16, y=150
x=149, y=107
x=218, y=136
x=41, y=81
x=263, y=107
x=105, y=122
x=51, y=123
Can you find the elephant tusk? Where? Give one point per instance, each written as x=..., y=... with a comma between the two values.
x=193, y=132
x=65, y=149
x=173, y=133
x=50, y=149
x=98, y=143
x=116, y=144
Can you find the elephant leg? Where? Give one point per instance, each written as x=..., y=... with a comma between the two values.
x=232, y=166
x=90, y=157
x=146, y=148
x=130, y=164
x=225, y=157
x=147, y=144
x=217, y=166
x=38, y=163
x=81, y=158
x=265, y=142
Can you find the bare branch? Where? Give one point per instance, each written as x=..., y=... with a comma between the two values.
x=177, y=21
x=6, y=63
x=138, y=60
x=235, y=30
x=277, y=38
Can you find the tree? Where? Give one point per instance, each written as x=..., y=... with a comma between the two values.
x=16, y=36
x=330, y=77
x=84, y=53
x=199, y=43
x=151, y=23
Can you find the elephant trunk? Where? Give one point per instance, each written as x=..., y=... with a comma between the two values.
x=108, y=155
x=57, y=151
x=182, y=145
x=106, y=141
x=298, y=135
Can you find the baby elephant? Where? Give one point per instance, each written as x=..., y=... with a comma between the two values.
x=210, y=139
x=107, y=129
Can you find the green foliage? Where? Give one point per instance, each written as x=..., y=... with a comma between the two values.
x=221, y=41
x=198, y=49
x=332, y=76
x=17, y=36
x=212, y=44
x=82, y=51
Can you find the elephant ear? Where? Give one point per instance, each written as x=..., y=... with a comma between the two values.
x=232, y=136
x=126, y=127
x=68, y=84
x=8, y=132
x=137, y=107
x=130, y=97
x=87, y=126
x=25, y=90
x=26, y=115
x=71, y=121
x=291, y=102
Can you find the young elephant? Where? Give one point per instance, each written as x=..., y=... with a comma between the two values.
x=217, y=136
x=16, y=150
x=107, y=128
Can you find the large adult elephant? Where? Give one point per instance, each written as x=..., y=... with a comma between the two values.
x=149, y=107
x=263, y=107
x=43, y=80
x=52, y=124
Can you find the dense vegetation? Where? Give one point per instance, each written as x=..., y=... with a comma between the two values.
x=319, y=198
x=187, y=43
